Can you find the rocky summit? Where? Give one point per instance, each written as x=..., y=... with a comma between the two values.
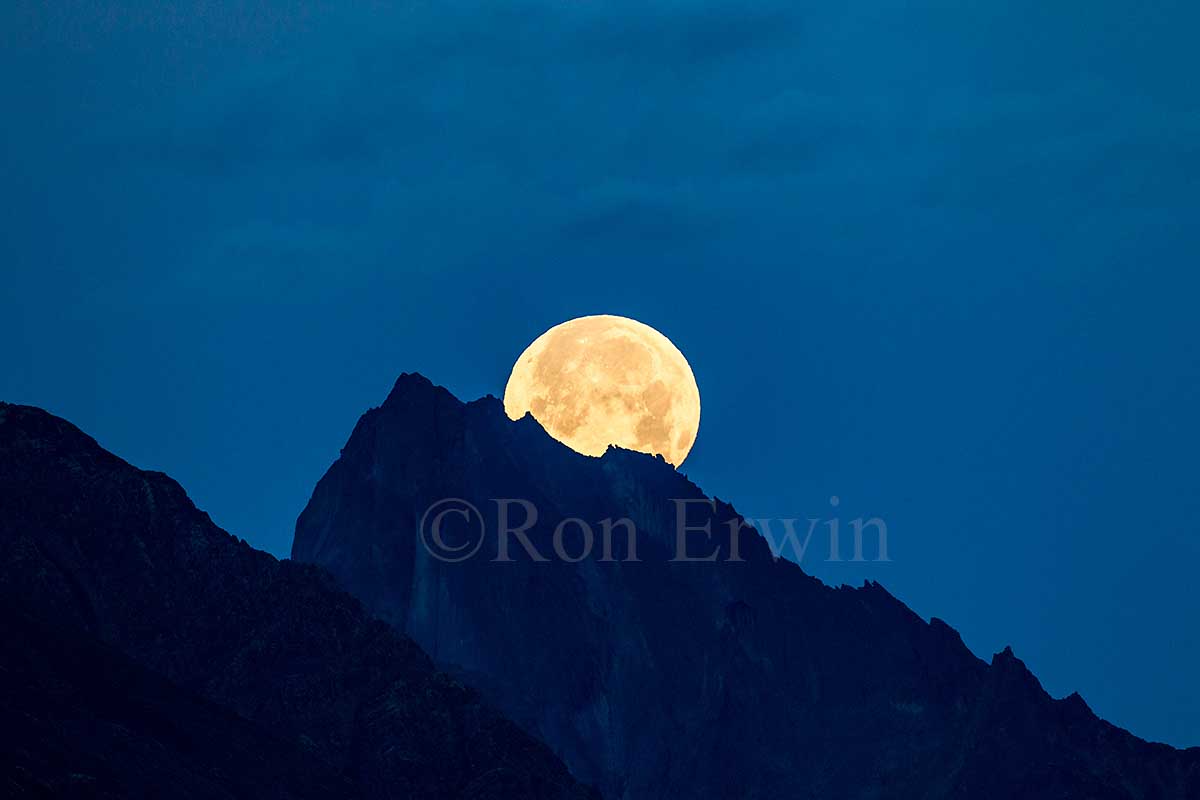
x=661, y=677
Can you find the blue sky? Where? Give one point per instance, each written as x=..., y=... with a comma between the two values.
x=936, y=258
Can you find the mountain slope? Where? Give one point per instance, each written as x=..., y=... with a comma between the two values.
x=661, y=678
x=82, y=720
x=142, y=614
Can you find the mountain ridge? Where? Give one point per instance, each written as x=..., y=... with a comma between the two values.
x=610, y=661
x=101, y=558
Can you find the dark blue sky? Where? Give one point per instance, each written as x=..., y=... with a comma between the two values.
x=937, y=258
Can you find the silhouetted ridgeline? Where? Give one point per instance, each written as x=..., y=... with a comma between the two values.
x=664, y=679
x=147, y=653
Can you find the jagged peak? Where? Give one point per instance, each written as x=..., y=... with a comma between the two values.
x=491, y=408
x=529, y=420
x=489, y=402
x=413, y=385
x=618, y=453
x=411, y=379
x=1075, y=704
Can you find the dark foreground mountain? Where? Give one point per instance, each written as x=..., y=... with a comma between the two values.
x=147, y=653
x=664, y=679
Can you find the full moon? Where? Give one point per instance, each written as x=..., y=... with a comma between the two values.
x=596, y=381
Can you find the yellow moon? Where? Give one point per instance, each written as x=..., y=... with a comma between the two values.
x=596, y=381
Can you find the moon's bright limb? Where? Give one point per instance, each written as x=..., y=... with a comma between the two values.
x=596, y=381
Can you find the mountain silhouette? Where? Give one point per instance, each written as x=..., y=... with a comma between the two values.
x=661, y=678
x=147, y=653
